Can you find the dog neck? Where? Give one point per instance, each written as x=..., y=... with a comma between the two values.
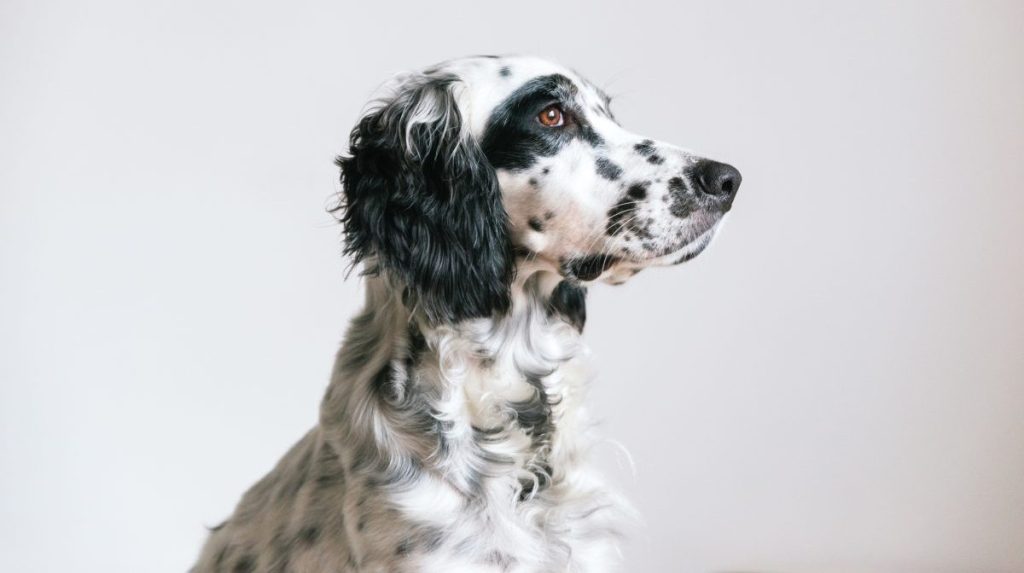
x=490, y=405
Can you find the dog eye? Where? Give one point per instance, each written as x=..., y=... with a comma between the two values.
x=552, y=116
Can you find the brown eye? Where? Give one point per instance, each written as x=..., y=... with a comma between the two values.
x=551, y=116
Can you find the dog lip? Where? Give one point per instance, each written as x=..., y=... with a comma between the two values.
x=690, y=255
x=686, y=252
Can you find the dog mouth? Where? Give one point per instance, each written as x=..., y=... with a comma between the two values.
x=695, y=247
x=677, y=254
x=617, y=271
x=616, y=267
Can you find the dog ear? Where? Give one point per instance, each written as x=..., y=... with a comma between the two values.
x=421, y=202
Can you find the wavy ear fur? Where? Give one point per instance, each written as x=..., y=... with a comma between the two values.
x=421, y=199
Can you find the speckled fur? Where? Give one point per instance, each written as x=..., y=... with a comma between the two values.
x=461, y=444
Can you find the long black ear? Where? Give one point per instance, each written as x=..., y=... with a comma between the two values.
x=421, y=198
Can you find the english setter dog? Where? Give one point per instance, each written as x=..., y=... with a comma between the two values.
x=482, y=196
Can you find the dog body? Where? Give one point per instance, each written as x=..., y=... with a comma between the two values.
x=481, y=196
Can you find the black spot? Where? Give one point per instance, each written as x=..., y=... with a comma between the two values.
x=619, y=215
x=432, y=538
x=683, y=203
x=245, y=564
x=638, y=190
x=536, y=224
x=417, y=345
x=548, y=215
x=607, y=169
x=505, y=72
x=386, y=384
x=501, y=560
x=532, y=182
x=587, y=268
x=524, y=253
x=328, y=470
x=645, y=147
x=534, y=417
x=309, y=534
x=546, y=170
x=656, y=159
x=570, y=301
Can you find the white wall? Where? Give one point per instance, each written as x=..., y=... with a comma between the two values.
x=837, y=386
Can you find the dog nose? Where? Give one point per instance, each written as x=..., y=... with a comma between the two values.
x=717, y=180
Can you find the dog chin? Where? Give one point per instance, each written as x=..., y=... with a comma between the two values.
x=624, y=271
x=690, y=250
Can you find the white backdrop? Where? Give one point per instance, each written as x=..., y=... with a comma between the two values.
x=838, y=385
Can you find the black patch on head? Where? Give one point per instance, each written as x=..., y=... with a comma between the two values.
x=638, y=190
x=536, y=224
x=514, y=139
x=656, y=159
x=677, y=185
x=424, y=201
x=569, y=300
x=505, y=72
x=645, y=147
x=607, y=169
x=587, y=268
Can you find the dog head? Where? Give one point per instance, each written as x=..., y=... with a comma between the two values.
x=467, y=167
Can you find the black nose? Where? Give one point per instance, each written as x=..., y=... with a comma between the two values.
x=717, y=180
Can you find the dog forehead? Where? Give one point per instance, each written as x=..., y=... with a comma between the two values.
x=487, y=81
